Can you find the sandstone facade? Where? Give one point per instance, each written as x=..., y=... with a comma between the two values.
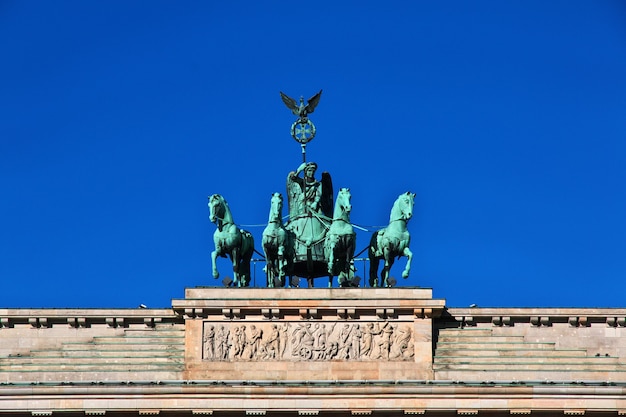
x=363, y=351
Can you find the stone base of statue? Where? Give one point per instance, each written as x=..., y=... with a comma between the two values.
x=308, y=334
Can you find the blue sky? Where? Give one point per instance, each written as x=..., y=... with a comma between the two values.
x=507, y=119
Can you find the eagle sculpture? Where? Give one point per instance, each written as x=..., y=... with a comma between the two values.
x=301, y=110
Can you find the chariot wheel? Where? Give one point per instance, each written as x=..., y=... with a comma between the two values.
x=306, y=352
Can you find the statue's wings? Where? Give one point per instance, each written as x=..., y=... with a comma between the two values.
x=326, y=201
x=312, y=103
x=291, y=103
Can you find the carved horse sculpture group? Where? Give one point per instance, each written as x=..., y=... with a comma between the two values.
x=339, y=245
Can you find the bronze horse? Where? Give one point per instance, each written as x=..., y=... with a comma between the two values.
x=340, y=241
x=230, y=241
x=277, y=245
x=392, y=241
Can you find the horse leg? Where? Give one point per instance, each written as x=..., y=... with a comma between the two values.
x=268, y=263
x=388, y=256
x=216, y=273
x=329, y=253
x=329, y=259
x=291, y=281
x=387, y=271
x=347, y=266
x=384, y=274
x=409, y=255
x=332, y=247
x=244, y=272
x=269, y=272
x=234, y=257
x=245, y=256
x=374, y=261
x=282, y=264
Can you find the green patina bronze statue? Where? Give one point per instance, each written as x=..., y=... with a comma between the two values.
x=301, y=110
x=277, y=245
x=340, y=241
x=302, y=130
x=308, y=195
x=310, y=210
x=317, y=240
x=392, y=241
x=230, y=241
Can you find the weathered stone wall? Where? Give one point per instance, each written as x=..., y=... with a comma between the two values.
x=531, y=345
x=90, y=345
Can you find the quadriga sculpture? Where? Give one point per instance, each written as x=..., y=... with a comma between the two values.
x=230, y=241
x=341, y=241
x=392, y=241
x=277, y=245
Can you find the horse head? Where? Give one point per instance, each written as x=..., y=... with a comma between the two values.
x=276, y=207
x=216, y=208
x=343, y=206
x=404, y=205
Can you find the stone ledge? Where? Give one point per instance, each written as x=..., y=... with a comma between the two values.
x=350, y=398
x=537, y=317
x=282, y=294
x=42, y=318
x=310, y=303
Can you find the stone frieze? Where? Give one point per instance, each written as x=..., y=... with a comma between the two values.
x=308, y=341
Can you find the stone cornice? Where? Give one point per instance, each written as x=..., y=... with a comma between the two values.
x=503, y=316
x=77, y=317
x=308, y=303
x=329, y=396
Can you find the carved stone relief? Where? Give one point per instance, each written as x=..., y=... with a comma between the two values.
x=308, y=341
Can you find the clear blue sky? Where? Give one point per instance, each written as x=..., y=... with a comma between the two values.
x=506, y=118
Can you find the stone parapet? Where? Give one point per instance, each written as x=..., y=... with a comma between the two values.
x=612, y=317
x=84, y=317
x=531, y=344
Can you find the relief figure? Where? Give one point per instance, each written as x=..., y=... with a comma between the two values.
x=308, y=341
x=403, y=346
x=209, y=342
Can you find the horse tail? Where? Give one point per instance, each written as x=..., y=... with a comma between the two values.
x=373, y=247
x=246, y=251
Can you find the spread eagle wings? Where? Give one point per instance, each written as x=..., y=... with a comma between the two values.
x=312, y=102
x=304, y=110
x=291, y=103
